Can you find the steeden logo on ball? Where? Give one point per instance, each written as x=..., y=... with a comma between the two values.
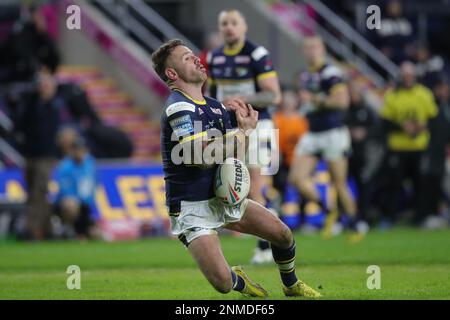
x=232, y=182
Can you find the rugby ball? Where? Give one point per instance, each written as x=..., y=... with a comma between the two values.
x=232, y=182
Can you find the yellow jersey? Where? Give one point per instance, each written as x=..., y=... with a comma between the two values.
x=415, y=104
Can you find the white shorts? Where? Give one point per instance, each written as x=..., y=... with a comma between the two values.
x=262, y=143
x=198, y=218
x=333, y=144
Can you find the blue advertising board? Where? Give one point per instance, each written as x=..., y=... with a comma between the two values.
x=129, y=196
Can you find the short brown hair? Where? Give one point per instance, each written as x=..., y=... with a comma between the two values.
x=159, y=57
x=229, y=10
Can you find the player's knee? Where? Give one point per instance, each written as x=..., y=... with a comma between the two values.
x=341, y=186
x=294, y=179
x=284, y=236
x=256, y=195
x=222, y=282
x=298, y=180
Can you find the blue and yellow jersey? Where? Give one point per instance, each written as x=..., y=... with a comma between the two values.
x=236, y=72
x=184, y=120
x=323, y=80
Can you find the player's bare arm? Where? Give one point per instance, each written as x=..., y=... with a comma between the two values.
x=339, y=98
x=269, y=95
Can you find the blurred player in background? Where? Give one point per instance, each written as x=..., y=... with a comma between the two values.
x=325, y=97
x=195, y=213
x=243, y=70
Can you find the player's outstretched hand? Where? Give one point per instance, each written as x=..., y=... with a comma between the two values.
x=247, y=120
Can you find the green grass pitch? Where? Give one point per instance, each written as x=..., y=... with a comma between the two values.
x=414, y=264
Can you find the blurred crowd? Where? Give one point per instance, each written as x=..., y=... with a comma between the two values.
x=399, y=160
x=400, y=156
x=48, y=127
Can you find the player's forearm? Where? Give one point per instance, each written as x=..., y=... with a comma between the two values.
x=262, y=99
x=336, y=102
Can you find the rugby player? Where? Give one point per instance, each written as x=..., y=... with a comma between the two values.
x=243, y=70
x=195, y=212
x=325, y=98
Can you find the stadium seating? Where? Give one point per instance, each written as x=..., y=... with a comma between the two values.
x=116, y=108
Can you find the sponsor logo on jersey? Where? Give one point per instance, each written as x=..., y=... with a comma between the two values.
x=240, y=72
x=182, y=126
x=209, y=125
x=216, y=111
x=216, y=71
x=268, y=66
x=228, y=72
x=179, y=106
x=259, y=52
x=242, y=59
x=219, y=60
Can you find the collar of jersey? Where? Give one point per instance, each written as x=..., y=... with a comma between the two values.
x=316, y=68
x=235, y=51
x=202, y=102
